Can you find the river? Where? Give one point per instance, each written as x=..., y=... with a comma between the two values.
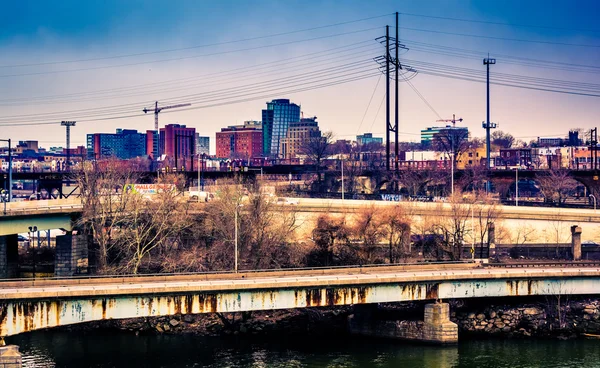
x=119, y=349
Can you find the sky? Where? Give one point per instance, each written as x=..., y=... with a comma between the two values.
x=101, y=62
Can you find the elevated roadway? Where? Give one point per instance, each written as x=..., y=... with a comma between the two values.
x=26, y=305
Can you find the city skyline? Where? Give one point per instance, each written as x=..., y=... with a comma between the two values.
x=102, y=32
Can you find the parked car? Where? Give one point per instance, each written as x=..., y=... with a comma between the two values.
x=201, y=196
x=287, y=201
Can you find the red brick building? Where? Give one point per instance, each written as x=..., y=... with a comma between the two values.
x=177, y=142
x=239, y=142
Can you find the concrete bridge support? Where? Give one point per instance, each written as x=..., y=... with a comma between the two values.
x=71, y=255
x=9, y=256
x=576, y=242
x=436, y=327
x=10, y=357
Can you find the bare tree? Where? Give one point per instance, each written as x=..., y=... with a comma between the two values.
x=396, y=226
x=106, y=205
x=452, y=141
x=150, y=224
x=368, y=231
x=316, y=149
x=556, y=185
x=486, y=213
x=501, y=139
x=452, y=226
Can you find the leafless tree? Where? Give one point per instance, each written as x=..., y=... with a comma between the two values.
x=556, y=185
x=316, y=149
x=501, y=139
x=452, y=141
x=396, y=227
x=106, y=206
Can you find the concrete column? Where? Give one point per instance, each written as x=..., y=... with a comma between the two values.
x=435, y=329
x=438, y=328
x=10, y=357
x=71, y=255
x=576, y=242
x=9, y=256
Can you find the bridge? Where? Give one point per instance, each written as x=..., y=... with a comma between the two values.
x=53, y=183
x=38, y=304
x=72, y=250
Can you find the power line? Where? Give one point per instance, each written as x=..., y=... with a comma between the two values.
x=323, y=83
x=186, y=57
x=369, y=104
x=499, y=38
x=499, y=23
x=253, y=72
x=196, y=46
x=421, y=96
x=377, y=114
x=197, y=97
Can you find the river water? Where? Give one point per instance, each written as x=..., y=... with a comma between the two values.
x=120, y=349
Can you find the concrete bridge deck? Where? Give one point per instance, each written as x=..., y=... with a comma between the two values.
x=69, y=206
x=29, y=306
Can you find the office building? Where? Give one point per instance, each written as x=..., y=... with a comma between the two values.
x=297, y=135
x=202, y=145
x=368, y=138
x=124, y=144
x=428, y=135
x=238, y=142
x=276, y=119
x=177, y=143
x=152, y=144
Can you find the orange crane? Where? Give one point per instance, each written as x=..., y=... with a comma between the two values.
x=453, y=120
x=159, y=109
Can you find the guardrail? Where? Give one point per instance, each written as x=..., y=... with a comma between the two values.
x=128, y=278
x=557, y=264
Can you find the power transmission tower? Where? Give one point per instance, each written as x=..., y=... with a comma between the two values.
x=68, y=125
x=388, y=59
x=157, y=109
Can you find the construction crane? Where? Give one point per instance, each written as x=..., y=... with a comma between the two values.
x=453, y=120
x=159, y=109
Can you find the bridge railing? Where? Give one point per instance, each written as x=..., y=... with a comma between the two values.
x=245, y=273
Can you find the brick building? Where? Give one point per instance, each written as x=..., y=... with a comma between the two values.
x=239, y=142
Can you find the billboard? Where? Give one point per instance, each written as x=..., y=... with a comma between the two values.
x=148, y=188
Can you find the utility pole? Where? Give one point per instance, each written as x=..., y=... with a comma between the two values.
x=387, y=96
x=397, y=69
x=488, y=125
x=68, y=125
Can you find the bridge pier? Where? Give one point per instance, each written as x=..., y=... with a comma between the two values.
x=436, y=328
x=576, y=242
x=71, y=255
x=9, y=256
x=10, y=357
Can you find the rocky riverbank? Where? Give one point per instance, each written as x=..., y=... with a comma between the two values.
x=550, y=317
x=310, y=321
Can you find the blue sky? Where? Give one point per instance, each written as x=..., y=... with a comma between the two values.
x=34, y=32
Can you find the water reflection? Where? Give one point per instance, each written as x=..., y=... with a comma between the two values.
x=115, y=349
